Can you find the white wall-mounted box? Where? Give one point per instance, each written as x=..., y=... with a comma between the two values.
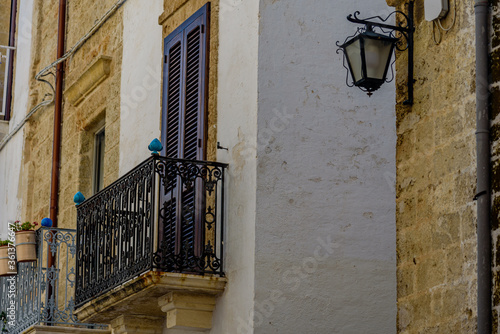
x=435, y=9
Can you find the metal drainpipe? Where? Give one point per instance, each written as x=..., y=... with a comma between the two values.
x=12, y=42
x=484, y=284
x=56, y=149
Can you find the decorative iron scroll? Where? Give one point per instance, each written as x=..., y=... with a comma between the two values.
x=166, y=215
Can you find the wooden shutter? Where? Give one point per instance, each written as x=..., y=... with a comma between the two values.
x=171, y=116
x=174, y=85
x=183, y=126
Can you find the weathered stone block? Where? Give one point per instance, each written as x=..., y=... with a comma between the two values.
x=430, y=272
x=188, y=311
x=137, y=324
x=406, y=280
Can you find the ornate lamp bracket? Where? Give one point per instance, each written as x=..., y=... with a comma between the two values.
x=403, y=31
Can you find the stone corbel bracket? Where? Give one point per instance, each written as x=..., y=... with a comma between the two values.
x=188, y=311
x=96, y=73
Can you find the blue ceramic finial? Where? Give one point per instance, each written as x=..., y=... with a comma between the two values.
x=155, y=146
x=46, y=222
x=78, y=198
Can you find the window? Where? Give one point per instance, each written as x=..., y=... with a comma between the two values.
x=99, y=160
x=183, y=126
x=7, y=41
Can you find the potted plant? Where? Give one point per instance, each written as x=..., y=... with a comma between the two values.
x=25, y=241
x=6, y=268
x=3, y=319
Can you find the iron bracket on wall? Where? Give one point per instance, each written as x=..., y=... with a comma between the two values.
x=405, y=28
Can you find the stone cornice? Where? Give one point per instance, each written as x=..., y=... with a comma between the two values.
x=96, y=73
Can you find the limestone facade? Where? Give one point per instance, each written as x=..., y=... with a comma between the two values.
x=4, y=22
x=436, y=176
x=99, y=108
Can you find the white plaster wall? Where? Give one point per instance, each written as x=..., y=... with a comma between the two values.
x=11, y=154
x=140, y=81
x=325, y=227
x=237, y=130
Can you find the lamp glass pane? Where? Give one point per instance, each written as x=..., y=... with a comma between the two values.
x=377, y=54
x=353, y=52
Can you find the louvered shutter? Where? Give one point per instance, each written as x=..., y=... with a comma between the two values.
x=183, y=128
x=174, y=90
x=172, y=110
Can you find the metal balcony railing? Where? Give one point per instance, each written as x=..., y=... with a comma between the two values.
x=42, y=292
x=165, y=215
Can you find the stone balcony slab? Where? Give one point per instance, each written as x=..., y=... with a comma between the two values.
x=140, y=296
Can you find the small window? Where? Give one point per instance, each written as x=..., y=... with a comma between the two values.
x=99, y=160
x=7, y=41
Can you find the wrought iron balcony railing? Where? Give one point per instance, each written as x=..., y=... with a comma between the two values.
x=42, y=292
x=165, y=215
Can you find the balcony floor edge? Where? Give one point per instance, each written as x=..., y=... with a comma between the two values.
x=140, y=295
x=38, y=329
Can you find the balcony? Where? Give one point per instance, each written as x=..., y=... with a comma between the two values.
x=40, y=297
x=151, y=241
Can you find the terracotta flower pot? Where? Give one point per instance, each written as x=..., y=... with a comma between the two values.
x=26, y=246
x=5, y=270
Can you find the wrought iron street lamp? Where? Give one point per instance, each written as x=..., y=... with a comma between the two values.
x=368, y=57
x=368, y=53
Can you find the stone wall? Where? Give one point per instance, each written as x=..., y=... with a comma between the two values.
x=4, y=22
x=435, y=217
x=99, y=106
x=38, y=132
